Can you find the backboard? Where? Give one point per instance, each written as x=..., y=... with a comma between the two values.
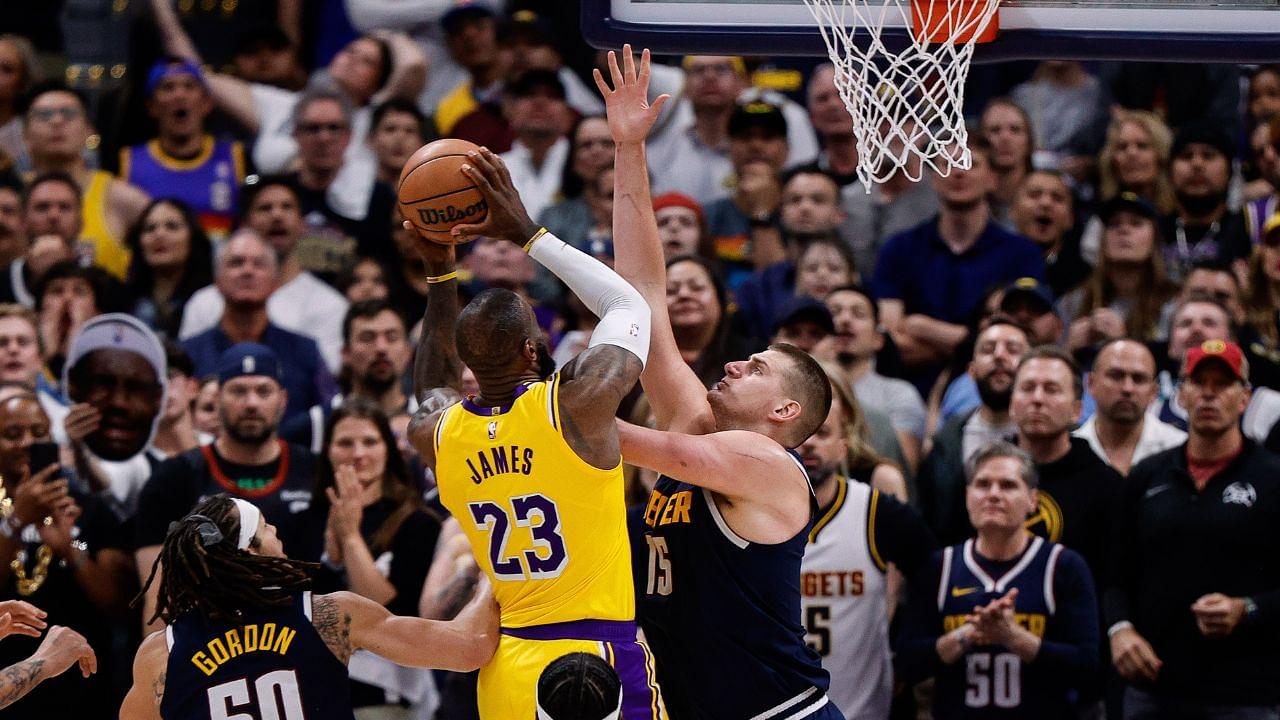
x=1172, y=30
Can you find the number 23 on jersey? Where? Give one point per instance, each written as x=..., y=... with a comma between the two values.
x=546, y=556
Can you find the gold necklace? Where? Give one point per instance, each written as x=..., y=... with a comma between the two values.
x=18, y=566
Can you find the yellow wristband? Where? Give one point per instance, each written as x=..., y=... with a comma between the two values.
x=433, y=279
x=534, y=239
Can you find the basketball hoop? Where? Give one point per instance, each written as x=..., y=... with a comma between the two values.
x=906, y=96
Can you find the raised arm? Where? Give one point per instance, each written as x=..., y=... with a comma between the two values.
x=437, y=369
x=175, y=40
x=408, y=68
x=352, y=622
x=675, y=394
x=595, y=382
x=231, y=94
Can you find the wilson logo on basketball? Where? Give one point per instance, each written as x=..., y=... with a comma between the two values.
x=450, y=214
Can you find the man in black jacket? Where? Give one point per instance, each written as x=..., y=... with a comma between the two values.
x=1193, y=599
x=1077, y=489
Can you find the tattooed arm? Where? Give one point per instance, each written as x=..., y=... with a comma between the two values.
x=149, y=666
x=62, y=648
x=437, y=369
x=352, y=622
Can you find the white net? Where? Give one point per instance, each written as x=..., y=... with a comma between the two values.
x=905, y=91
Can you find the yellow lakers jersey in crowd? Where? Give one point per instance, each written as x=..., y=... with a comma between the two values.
x=548, y=528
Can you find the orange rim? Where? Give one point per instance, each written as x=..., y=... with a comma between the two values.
x=952, y=21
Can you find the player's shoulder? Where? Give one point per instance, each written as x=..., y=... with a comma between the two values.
x=154, y=650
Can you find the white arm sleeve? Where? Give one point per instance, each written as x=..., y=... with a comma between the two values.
x=624, y=315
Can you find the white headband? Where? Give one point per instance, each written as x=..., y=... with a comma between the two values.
x=250, y=518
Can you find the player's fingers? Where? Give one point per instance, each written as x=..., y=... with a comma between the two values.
x=628, y=63
x=20, y=628
x=642, y=78
x=499, y=168
x=26, y=609
x=604, y=88
x=659, y=102
x=334, y=499
x=614, y=73
x=482, y=183
x=1147, y=661
x=468, y=232
x=88, y=662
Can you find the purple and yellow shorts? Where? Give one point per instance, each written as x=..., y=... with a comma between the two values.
x=508, y=684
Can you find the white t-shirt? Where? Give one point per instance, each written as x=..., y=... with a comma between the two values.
x=305, y=305
x=275, y=150
x=538, y=186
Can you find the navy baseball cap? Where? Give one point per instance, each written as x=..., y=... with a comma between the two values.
x=1027, y=289
x=1126, y=202
x=763, y=115
x=465, y=10
x=803, y=308
x=244, y=359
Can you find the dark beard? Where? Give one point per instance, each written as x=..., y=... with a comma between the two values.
x=820, y=476
x=997, y=400
x=1201, y=205
x=376, y=385
x=247, y=438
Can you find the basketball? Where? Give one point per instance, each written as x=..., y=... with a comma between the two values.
x=434, y=193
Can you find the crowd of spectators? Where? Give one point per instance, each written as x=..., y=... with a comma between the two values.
x=206, y=288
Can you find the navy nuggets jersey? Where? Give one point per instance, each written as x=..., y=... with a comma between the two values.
x=723, y=614
x=1055, y=602
x=271, y=664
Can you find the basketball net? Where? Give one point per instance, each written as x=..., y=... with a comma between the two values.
x=906, y=96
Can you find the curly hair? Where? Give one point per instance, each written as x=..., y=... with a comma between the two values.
x=204, y=571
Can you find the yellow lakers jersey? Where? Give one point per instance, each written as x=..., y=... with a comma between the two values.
x=548, y=528
x=109, y=252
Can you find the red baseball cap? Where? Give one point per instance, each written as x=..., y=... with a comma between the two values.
x=1222, y=351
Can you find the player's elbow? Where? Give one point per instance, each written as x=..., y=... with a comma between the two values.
x=477, y=652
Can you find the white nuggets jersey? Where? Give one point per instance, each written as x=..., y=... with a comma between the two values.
x=842, y=585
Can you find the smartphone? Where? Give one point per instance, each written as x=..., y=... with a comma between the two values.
x=42, y=455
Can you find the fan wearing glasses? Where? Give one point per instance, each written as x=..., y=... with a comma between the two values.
x=56, y=129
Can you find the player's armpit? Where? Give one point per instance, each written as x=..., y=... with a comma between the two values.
x=422, y=425
x=591, y=388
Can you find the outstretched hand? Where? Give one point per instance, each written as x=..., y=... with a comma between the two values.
x=507, y=218
x=20, y=618
x=627, y=103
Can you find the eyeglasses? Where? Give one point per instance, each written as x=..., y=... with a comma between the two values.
x=47, y=114
x=317, y=128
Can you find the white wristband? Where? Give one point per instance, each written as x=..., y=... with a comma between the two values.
x=1122, y=625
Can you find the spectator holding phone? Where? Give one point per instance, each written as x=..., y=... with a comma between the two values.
x=61, y=550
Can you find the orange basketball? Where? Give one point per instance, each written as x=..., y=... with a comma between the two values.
x=434, y=193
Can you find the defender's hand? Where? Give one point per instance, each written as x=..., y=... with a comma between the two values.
x=627, y=104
